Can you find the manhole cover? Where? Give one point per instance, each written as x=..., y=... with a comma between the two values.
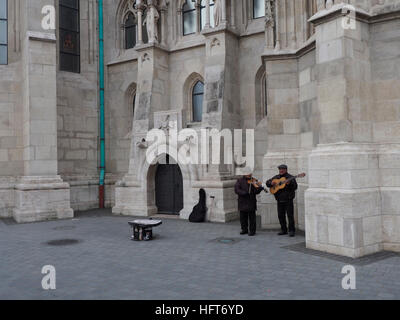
x=62, y=242
x=227, y=240
x=64, y=228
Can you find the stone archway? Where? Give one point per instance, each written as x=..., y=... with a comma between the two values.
x=187, y=176
x=168, y=188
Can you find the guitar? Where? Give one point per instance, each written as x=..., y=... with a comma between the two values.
x=282, y=182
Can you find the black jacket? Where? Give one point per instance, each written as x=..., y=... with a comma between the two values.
x=286, y=194
x=247, y=201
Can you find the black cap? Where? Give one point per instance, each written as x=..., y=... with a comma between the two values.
x=283, y=166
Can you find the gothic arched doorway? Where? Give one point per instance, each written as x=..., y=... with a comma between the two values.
x=169, y=189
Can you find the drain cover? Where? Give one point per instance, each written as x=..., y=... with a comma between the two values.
x=227, y=240
x=64, y=228
x=62, y=242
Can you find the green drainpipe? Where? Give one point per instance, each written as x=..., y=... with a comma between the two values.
x=102, y=131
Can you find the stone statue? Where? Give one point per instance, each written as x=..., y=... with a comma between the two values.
x=151, y=22
x=269, y=13
x=217, y=12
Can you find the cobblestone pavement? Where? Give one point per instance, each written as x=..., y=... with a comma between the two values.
x=183, y=262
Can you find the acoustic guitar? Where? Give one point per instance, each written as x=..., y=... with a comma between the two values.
x=282, y=183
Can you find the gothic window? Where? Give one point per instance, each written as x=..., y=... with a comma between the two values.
x=69, y=36
x=3, y=32
x=133, y=104
x=258, y=8
x=197, y=102
x=264, y=99
x=261, y=94
x=203, y=14
x=130, y=31
x=189, y=17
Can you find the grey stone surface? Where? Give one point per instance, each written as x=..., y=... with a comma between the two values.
x=183, y=262
x=319, y=81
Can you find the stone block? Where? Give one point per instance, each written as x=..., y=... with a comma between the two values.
x=291, y=126
x=330, y=50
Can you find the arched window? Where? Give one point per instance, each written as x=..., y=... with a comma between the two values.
x=189, y=17
x=3, y=32
x=133, y=105
x=203, y=14
x=264, y=99
x=261, y=94
x=69, y=29
x=130, y=31
x=258, y=8
x=197, y=102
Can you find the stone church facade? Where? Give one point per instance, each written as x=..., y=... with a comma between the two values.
x=317, y=80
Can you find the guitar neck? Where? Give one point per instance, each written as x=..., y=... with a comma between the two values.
x=295, y=177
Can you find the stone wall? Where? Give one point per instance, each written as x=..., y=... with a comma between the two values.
x=11, y=151
x=77, y=117
x=385, y=65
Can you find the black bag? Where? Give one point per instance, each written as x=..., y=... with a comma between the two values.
x=199, y=211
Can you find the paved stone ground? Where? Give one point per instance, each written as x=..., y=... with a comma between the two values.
x=183, y=262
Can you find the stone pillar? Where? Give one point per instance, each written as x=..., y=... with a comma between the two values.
x=293, y=38
x=140, y=8
x=233, y=15
x=270, y=21
x=164, y=24
x=40, y=194
x=284, y=139
x=134, y=194
x=278, y=27
x=180, y=27
x=223, y=5
x=207, y=25
x=343, y=202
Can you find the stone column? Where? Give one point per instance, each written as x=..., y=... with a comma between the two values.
x=140, y=8
x=164, y=24
x=293, y=38
x=278, y=27
x=207, y=25
x=221, y=110
x=40, y=194
x=223, y=19
x=180, y=28
x=134, y=194
x=233, y=15
x=269, y=24
x=343, y=202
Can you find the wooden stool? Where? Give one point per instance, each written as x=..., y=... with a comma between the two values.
x=143, y=229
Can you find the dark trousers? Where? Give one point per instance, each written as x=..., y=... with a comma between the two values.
x=283, y=209
x=245, y=218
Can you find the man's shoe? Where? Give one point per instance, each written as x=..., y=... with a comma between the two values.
x=291, y=234
x=243, y=232
x=252, y=234
x=282, y=233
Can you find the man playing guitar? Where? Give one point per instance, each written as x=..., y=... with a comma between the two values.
x=284, y=196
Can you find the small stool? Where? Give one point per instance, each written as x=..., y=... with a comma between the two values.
x=143, y=229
